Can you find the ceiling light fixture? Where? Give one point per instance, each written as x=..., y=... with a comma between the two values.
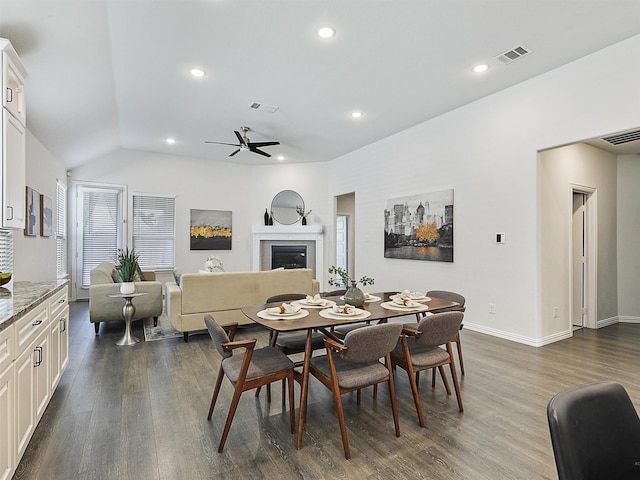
x=280, y=157
x=171, y=141
x=356, y=114
x=197, y=72
x=483, y=67
x=326, y=32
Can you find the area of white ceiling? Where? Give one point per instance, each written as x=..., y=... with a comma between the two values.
x=109, y=74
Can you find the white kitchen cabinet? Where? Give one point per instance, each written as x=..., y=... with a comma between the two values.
x=7, y=393
x=59, y=341
x=12, y=148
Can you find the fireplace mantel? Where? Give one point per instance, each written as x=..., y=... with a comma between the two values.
x=284, y=233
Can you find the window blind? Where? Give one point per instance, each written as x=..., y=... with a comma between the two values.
x=61, y=230
x=100, y=232
x=154, y=231
x=6, y=251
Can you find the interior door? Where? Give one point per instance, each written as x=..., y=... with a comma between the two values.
x=579, y=230
x=342, y=241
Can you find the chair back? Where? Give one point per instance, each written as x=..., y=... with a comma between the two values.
x=286, y=297
x=595, y=432
x=368, y=344
x=218, y=335
x=445, y=295
x=439, y=328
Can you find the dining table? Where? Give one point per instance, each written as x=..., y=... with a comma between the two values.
x=319, y=316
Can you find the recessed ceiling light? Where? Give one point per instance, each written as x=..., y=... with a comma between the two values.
x=280, y=157
x=327, y=32
x=483, y=67
x=197, y=72
x=356, y=114
x=171, y=141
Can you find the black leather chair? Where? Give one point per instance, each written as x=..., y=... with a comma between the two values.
x=595, y=432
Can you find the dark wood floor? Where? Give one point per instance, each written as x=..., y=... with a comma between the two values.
x=140, y=413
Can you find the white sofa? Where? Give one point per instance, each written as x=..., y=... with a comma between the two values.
x=223, y=294
x=103, y=308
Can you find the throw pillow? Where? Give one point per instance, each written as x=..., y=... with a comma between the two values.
x=115, y=274
x=176, y=276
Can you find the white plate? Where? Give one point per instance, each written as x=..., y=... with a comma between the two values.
x=303, y=303
x=271, y=316
x=354, y=313
x=402, y=308
x=327, y=313
x=421, y=299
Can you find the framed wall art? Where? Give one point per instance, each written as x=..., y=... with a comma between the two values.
x=32, y=221
x=46, y=216
x=210, y=230
x=420, y=227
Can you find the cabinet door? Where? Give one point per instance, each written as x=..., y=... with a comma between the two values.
x=13, y=89
x=64, y=340
x=42, y=368
x=7, y=440
x=25, y=412
x=54, y=353
x=13, y=171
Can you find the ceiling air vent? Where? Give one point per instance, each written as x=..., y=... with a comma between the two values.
x=263, y=107
x=623, y=138
x=513, y=54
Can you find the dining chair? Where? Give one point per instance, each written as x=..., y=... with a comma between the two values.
x=595, y=432
x=460, y=300
x=256, y=367
x=420, y=349
x=356, y=365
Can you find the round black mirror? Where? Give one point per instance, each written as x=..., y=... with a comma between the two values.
x=285, y=206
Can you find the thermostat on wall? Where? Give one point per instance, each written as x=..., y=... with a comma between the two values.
x=500, y=238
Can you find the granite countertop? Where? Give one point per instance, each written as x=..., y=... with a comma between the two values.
x=20, y=297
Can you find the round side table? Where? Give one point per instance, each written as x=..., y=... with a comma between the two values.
x=128, y=311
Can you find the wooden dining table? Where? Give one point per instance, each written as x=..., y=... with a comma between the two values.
x=315, y=321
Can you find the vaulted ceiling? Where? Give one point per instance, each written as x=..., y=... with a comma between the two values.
x=109, y=74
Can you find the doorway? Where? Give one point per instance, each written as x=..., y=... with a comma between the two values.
x=583, y=258
x=345, y=231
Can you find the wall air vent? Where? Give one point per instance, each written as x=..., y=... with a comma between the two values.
x=623, y=138
x=263, y=107
x=513, y=54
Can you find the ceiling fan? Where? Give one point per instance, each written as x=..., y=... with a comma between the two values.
x=245, y=144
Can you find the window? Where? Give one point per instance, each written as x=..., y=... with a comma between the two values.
x=154, y=231
x=101, y=228
x=61, y=230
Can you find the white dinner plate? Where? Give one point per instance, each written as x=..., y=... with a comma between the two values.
x=403, y=308
x=421, y=299
x=305, y=304
x=279, y=316
x=327, y=313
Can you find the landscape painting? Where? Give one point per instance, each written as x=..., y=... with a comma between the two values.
x=210, y=230
x=420, y=227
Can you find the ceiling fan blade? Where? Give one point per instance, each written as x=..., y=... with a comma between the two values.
x=223, y=143
x=234, y=153
x=262, y=144
x=255, y=150
x=240, y=138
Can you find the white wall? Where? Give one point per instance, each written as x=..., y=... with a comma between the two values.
x=196, y=184
x=34, y=257
x=487, y=152
x=628, y=233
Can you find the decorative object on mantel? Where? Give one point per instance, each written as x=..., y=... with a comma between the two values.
x=46, y=216
x=213, y=263
x=266, y=216
x=210, y=230
x=128, y=262
x=271, y=219
x=420, y=227
x=354, y=296
x=32, y=225
x=300, y=211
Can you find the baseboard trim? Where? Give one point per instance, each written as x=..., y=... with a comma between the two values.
x=534, y=342
x=627, y=319
x=605, y=322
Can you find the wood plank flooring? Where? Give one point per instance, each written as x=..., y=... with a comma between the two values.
x=140, y=413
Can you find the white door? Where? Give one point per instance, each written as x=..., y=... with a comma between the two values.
x=579, y=229
x=342, y=241
x=100, y=231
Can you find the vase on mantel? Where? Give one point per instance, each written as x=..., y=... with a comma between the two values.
x=271, y=219
x=304, y=220
x=266, y=216
x=354, y=296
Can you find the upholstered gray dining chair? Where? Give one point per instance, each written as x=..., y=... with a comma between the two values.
x=357, y=365
x=256, y=367
x=420, y=349
x=460, y=300
x=595, y=432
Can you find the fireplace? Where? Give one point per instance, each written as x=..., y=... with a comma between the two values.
x=288, y=256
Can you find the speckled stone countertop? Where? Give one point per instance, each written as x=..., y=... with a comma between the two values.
x=21, y=297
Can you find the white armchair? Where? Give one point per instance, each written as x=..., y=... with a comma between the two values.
x=103, y=308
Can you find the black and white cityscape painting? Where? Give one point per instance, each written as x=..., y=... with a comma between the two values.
x=420, y=227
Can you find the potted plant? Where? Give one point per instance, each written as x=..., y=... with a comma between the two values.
x=354, y=296
x=128, y=263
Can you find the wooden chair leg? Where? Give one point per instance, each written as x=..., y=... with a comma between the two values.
x=284, y=393
x=375, y=391
x=216, y=390
x=444, y=379
x=343, y=428
x=232, y=411
x=392, y=394
x=358, y=396
x=417, y=379
x=433, y=378
x=456, y=384
x=416, y=397
x=292, y=407
x=459, y=347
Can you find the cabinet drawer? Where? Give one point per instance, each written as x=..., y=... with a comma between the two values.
x=29, y=327
x=7, y=347
x=59, y=301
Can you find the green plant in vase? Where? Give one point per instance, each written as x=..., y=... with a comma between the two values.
x=128, y=262
x=354, y=296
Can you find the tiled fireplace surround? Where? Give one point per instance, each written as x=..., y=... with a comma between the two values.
x=310, y=235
